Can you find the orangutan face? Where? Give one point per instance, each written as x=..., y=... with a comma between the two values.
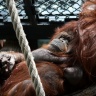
x=62, y=42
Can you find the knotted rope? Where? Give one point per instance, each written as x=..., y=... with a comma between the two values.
x=25, y=47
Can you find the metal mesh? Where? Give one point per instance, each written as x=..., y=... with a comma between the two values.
x=50, y=10
x=57, y=10
x=4, y=14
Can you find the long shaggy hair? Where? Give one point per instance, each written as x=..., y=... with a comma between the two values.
x=86, y=50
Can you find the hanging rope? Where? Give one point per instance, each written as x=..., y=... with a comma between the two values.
x=25, y=47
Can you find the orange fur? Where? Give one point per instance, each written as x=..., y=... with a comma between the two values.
x=19, y=82
x=87, y=32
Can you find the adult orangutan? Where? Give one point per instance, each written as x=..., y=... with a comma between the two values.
x=50, y=61
x=70, y=59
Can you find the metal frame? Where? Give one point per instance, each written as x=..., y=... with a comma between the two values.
x=34, y=27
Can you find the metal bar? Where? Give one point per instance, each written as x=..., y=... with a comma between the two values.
x=30, y=11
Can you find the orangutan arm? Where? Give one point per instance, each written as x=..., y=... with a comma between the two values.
x=9, y=59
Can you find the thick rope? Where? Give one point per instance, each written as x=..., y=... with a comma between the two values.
x=25, y=47
x=90, y=91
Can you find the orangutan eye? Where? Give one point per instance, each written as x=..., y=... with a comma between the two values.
x=65, y=38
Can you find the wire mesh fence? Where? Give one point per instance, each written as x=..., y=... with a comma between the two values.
x=4, y=14
x=50, y=10
x=57, y=10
